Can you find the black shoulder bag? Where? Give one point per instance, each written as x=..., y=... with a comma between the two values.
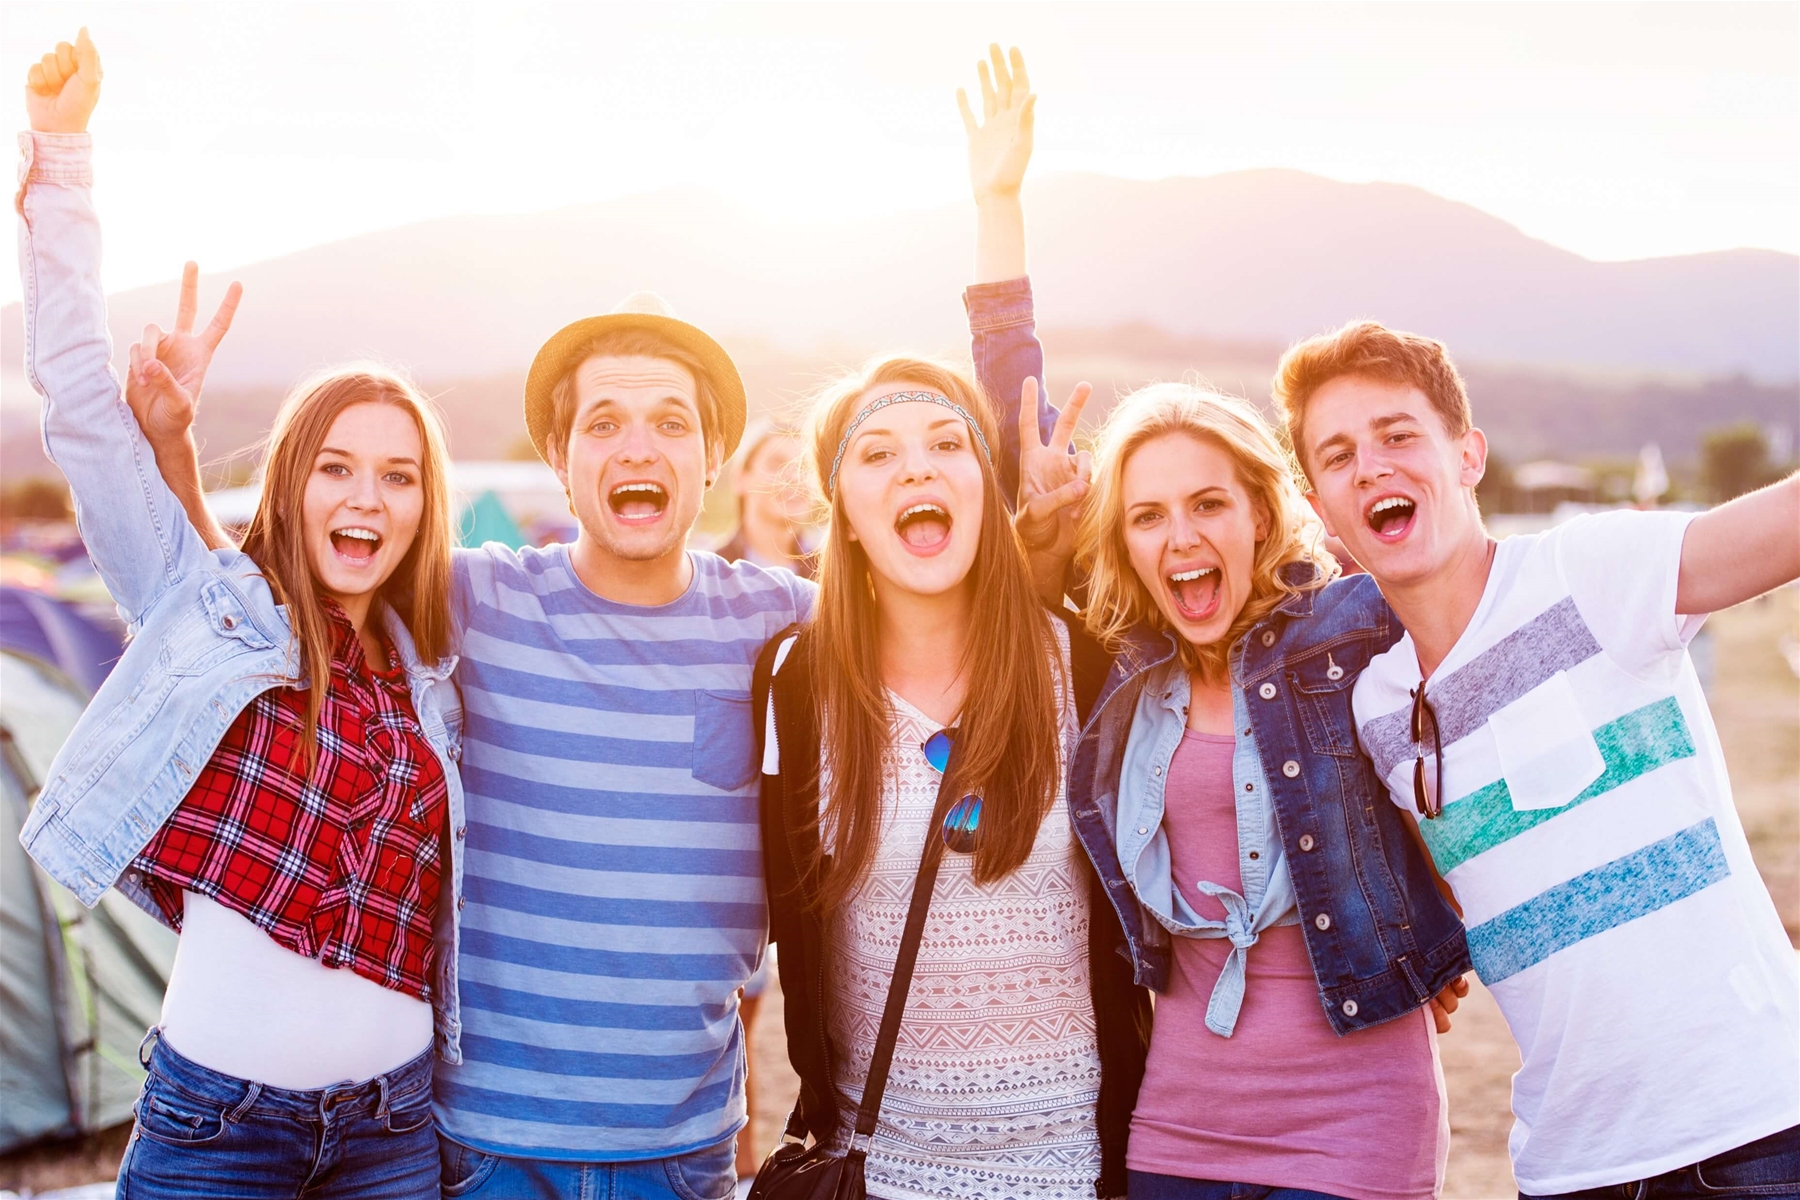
x=795, y=1171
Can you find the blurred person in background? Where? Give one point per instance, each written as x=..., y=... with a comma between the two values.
x=774, y=507
x=271, y=768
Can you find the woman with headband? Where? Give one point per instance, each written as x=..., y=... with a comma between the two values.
x=932, y=699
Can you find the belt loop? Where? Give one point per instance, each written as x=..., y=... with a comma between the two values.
x=381, y=1109
x=244, y=1105
x=154, y=1033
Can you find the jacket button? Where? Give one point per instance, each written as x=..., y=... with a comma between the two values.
x=1306, y=841
x=1349, y=1008
x=1249, y=787
x=461, y=831
x=1143, y=829
x=1266, y=691
x=1291, y=769
x=229, y=621
x=1158, y=771
x=1255, y=854
x=462, y=900
x=1268, y=637
x=1322, y=921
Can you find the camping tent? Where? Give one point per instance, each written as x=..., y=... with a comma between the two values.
x=78, y=987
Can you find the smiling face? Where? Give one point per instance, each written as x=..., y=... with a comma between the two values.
x=1389, y=479
x=911, y=489
x=636, y=463
x=363, y=501
x=1191, y=529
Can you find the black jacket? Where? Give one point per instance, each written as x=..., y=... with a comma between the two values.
x=790, y=834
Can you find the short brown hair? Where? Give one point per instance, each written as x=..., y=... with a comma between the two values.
x=1372, y=351
x=631, y=343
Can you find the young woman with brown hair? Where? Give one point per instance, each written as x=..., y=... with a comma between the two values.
x=1019, y=1052
x=270, y=769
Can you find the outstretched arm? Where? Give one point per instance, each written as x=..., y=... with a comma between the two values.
x=1006, y=351
x=132, y=526
x=1740, y=549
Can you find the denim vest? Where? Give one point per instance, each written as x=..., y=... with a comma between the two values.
x=207, y=634
x=1381, y=937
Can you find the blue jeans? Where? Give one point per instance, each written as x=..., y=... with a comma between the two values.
x=709, y=1173
x=202, y=1133
x=1143, y=1185
x=1768, y=1168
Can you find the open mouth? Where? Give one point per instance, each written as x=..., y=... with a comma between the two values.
x=923, y=528
x=1196, y=592
x=638, y=502
x=1391, y=517
x=355, y=544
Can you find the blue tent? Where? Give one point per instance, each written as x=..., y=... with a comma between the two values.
x=53, y=632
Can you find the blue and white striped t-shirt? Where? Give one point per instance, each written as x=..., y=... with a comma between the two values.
x=613, y=865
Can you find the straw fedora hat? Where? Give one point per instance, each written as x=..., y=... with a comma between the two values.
x=646, y=311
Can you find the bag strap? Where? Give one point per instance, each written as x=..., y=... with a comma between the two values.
x=876, y=1083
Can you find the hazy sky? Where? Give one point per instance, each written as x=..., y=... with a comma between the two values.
x=235, y=132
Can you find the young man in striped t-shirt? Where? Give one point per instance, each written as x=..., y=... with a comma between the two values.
x=1542, y=718
x=612, y=863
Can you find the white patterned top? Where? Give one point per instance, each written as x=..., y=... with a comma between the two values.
x=996, y=1071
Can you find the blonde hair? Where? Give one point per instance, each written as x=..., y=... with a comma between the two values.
x=1371, y=351
x=1117, y=598
x=1007, y=746
x=419, y=589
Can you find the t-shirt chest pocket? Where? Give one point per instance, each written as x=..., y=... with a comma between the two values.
x=1546, y=748
x=724, y=740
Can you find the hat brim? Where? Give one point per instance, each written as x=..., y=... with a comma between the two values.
x=553, y=361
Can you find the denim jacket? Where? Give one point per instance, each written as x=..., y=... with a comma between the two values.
x=1381, y=937
x=207, y=636
x=1267, y=898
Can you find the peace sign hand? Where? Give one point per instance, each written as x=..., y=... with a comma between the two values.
x=1052, y=482
x=167, y=369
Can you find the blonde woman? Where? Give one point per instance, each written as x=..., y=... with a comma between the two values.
x=1284, y=911
x=1021, y=1045
x=270, y=769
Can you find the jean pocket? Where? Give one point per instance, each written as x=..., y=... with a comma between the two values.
x=1767, y=1167
x=175, y=1118
x=408, y=1113
x=462, y=1169
x=709, y=1173
x=724, y=741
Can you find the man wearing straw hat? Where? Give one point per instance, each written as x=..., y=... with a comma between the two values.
x=612, y=862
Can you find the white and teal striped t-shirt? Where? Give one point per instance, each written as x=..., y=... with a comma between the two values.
x=613, y=864
x=1612, y=904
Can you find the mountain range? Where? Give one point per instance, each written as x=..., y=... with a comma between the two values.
x=1262, y=256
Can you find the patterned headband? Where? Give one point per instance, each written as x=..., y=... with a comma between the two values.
x=875, y=406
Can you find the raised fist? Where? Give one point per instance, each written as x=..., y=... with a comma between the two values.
x=62, y=88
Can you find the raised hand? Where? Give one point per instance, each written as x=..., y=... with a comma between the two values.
x=62, y=88
x=1000, y=143
x=1052, y=482
x=162, y=386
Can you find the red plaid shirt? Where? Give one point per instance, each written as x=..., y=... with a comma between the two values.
x=341, y=865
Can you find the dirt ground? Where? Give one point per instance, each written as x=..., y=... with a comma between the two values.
x=1755, y=698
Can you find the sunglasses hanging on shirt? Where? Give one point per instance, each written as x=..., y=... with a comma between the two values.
x=964, y=817
x=1429, y=803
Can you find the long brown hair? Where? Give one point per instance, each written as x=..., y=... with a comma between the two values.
x=419, y=589
x=1007, y=748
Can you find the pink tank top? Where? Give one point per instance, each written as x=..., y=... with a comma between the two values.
x=1283, y=1102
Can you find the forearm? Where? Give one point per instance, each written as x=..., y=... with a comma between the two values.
x=178, y=460
x=1006, y=352
x=999, y=238
x=1740, y=549
x=1049, y=577
x=127, y=518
